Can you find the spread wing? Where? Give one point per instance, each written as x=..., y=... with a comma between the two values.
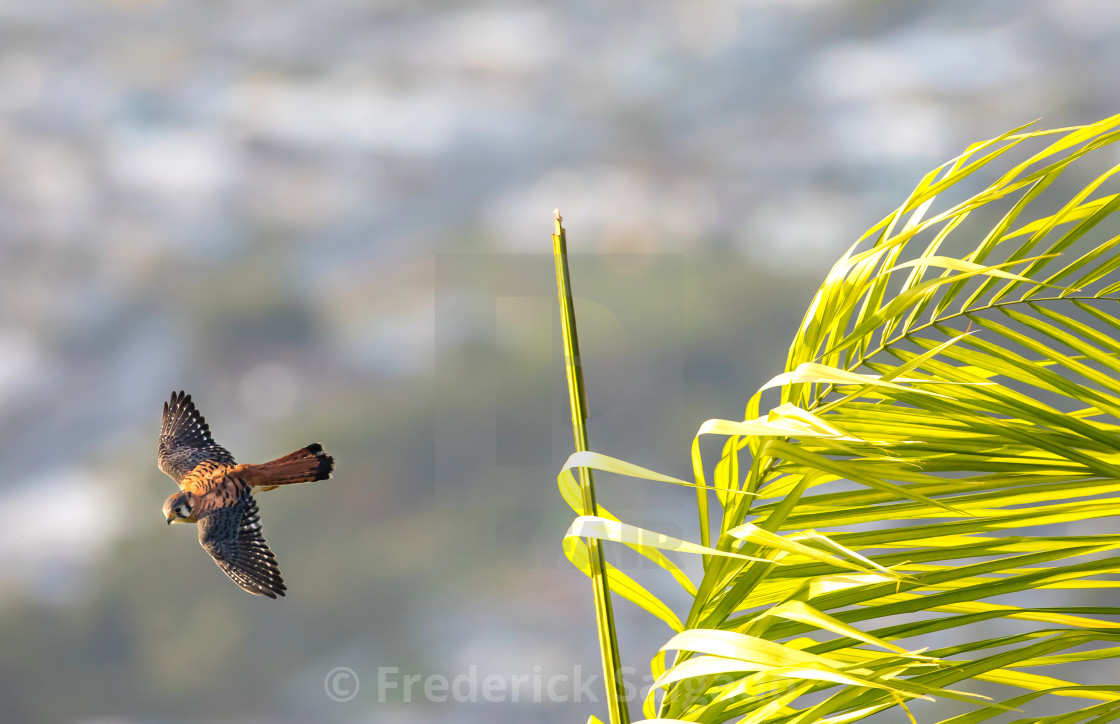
x=184, y=439
x=232, y=535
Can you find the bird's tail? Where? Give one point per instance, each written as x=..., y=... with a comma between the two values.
x=305, y=465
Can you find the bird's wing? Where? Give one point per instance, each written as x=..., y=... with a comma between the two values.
x=184, y=439
x=232, y=536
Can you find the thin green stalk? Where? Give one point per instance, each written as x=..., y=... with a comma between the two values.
x=604, y=614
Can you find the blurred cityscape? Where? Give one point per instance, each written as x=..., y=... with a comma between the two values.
x=330, y=221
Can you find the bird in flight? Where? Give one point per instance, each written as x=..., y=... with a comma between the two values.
x=217, y=494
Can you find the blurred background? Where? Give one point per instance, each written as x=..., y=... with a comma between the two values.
x=331, y=221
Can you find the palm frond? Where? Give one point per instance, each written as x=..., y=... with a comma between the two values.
x=950, y=404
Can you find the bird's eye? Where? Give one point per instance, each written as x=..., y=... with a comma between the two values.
x=179, y=510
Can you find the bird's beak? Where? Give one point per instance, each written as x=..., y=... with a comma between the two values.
x=169, y=519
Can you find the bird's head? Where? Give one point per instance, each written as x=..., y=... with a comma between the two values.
x=177, y=509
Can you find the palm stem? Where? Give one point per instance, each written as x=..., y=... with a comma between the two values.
x=604, y=614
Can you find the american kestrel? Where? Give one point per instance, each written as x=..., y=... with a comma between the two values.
x=217, y=493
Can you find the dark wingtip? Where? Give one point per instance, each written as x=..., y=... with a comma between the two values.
x=263, y=585
x=178, y=398
x=273, y=589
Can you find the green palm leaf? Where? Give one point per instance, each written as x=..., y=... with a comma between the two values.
x=950, y=403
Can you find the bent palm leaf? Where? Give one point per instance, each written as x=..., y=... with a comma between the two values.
x=935, y=476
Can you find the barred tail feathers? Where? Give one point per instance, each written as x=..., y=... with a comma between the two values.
x=305, y=465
